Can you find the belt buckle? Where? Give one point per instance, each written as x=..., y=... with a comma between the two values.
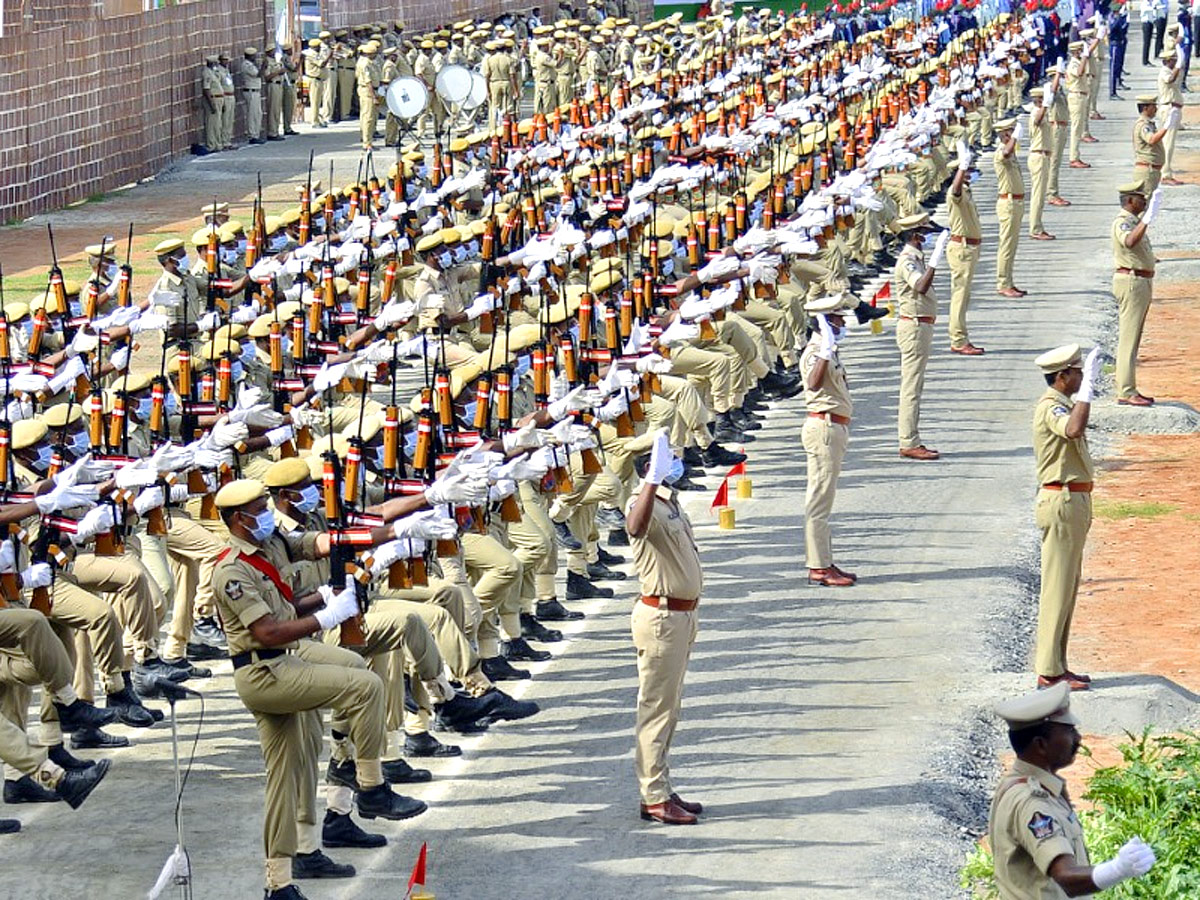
x=664, y=602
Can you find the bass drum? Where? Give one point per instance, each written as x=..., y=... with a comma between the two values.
x=454, y=83
x=407, y=97
x=478, y=92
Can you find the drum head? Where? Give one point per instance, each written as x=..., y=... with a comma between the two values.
x=478, y=92
x=454, y=83
x=407, y=97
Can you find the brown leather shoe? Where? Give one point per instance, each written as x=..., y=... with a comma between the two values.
x=687, y=805
x=1136, y=400
x=921, y=453
x=1075, y=676
x=839, y=570
x=1090, y=139
x=828, y=578
x=1079, y=164
x=1043, y=236
x=1045, y=681
x=967, y=349
x=1097, y=117
x=668, y=813
x=1059, y=201
x=1010, y=292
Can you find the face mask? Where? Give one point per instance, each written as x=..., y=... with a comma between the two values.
x=249, y=354
x=279, y=242
x=78, y=443
x=473, y=248
x=445, y=259
x=523, y=365
x=468, y=413
x=110, y=271
x=286, y=345
x=377, y=455
x=264, y=524
x=143, y=408
x=410, y=443
x=675, y=472
x=183, y=262
x=229, y=257
x=27, y=327
x=76, y=307
x=170, y=404
x=42, y=463
x=423, y=171
x=309, y=497
x=237, y=370
x=241, y=245
x=668, y=267
x=974, y=177
x=460, y=255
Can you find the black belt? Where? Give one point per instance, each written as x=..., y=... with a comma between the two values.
x=251, y=656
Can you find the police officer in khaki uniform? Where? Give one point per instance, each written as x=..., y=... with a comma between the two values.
x=917, y=310
x=1149, y=152
x=367, y=75
x=317, y=76
x=291, y=77
x=825, y=434
x=664, y=625
x=1133, y=284
x=278, y=679
x=211, y=94
x=252, y=93
x=1170, y=101
x=499, y=69
x=273, y=74
x=1064, y=501
x=229, y=106
x=962, y=254
x=1035, y=834
x=1010, y=204
x=346, y=69
x=1077, y=100
x=1041, y=159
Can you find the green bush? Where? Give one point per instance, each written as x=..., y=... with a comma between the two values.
x=1154, y=793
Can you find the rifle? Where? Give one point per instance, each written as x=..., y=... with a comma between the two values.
x=340, y=489
x=125, y=278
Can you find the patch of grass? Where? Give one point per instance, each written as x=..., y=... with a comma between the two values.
x=1132, y=509
x=1155, y=794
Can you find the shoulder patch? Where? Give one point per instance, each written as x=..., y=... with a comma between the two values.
x=1060, y=411
x=1041, y=826
x=233, y=590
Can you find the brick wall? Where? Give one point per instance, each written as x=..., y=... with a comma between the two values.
x=90, y=105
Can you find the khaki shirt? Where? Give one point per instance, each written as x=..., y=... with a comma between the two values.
x=1041, y=137
x=1077, y=76
x=1143, y=151
x=666, y=558
x=497, y=67
x=244, y=594
x=251, y=77
x=833, y=394
x=366, y=76
x=188, y=287
x=1032, y=823
x=910, y=267
x=1169, y=93
x=1140, y=255
x=1008, y=173
x=1058, y=457
x=964, y=217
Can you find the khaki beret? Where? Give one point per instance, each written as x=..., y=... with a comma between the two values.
x=108, y=249
x=62, y=414
x=917, y=220
x=240, y=492
x=15, y=310
x=429, y=242
x=286, y=472
x=1059, y=358
x=602, y=281
x=170, y=245
x=1049, y=705
x=1005, y=124
x=27, y=432
x=137, y=381
x=1141, y=99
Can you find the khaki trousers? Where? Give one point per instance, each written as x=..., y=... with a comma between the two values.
x=499, y=101
x=962, y=258
x=1133, y=295
x=1064, y=519
x=545, y=97
x=345, y=92
x=47, y=657
x=710, y=372
x=289, y=106
x=227, y=116
x=1169, y=146
x=664, y=642
x=316, y=102
x=274, y=109
x=692, y=415
x=1009, y=213
x=1061, y=133
x=134, y=596
x=1039, y=182
x=368, y=115
x=441, y=606
x=254, y=113
x=75, y=608
x=276, y=691
x=328, y=97
x=496, y=579
x=212, y=125
x=824, y=447
x=193, y=550
x=1077, y=106
x=915, y=340
x=532, y=542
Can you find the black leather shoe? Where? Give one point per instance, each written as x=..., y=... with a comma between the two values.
x=291, y=892
x=517, y=649
x=610, y=517
x=161, y=668
x=185, y=668
x=95, y=739
x=9, y=826
x=381, y=802
x=397, y=771
x=686, y=484
x=207, y=631
x=509, y=709
x=344, y=773
x=579, y=588
x=26, y=790
x=716, y=455
x=618, y=537
x=82, y=714
x=497, y=668
x=461, y=712
x=77, y=784
x=692, y=457
x=553, y=611
x=426, y=746
x=342, y=831
x=201, y=652
x=609, y=559
x=533, y=630
x=129, y=708
x=141, y=688
x=598, y=571
x=61, y=757
x=565, y=539
x=318, y=865
x=743, y=421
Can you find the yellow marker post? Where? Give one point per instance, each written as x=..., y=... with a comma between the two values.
x=745, y=488
x=728, y=518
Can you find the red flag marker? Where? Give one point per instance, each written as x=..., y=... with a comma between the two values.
x=418, y=872
x=722, y=497
x=884, y=293
x=738, y=470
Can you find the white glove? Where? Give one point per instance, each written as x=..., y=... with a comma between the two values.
x=573, y=402
x=1091, y=371
x=8, y=557
x=36, y=576
x=764, y=269
x=64, y=379
x=67, y=496
x=226, y=434
x=653, y=363
x=280, y=435
x=98, y=519
x=120, y=359
x=149, y=321
x=660, y=458
x=1152, y=208
x=482, y=304
x=305, y=417
x=939, y=249
x=431, y=524
x=208, y=322
x=257, y=415
x=1133, y=860
x=166, y=299
x=244, y=314
x=1047, y=96
x=524, y=438
x=139, y=474
x=339, y=606
x=504, y=487
x=964, y=156
x=613, y=408
x=679, y=332
x=1173, y=117
x=529, y=468
x=329, y=376
x=83, y=342
x=580, y=437
x=172, y=458
x=828, y=339
x=150, y=498
x=209, y=458
x=386, y=554
x=1019, y=131
x=394, y=314
x=461, y=489
x=28, y=382
x=724, y=265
